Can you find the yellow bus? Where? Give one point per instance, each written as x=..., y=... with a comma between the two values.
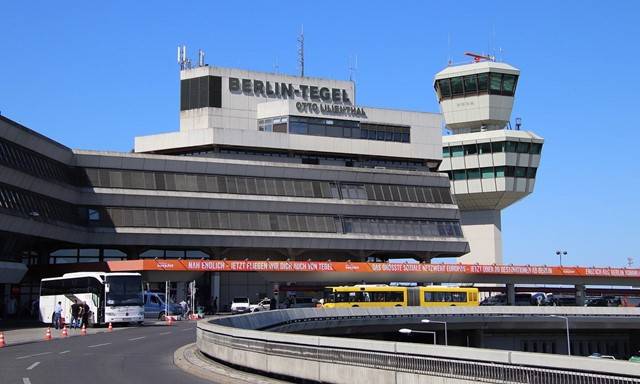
x=366, y=296
x=376, y=296
x=443, y=296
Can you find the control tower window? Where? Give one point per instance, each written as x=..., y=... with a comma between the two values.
x=470, y=85
x=495, y=86
x=483, y=81
x=456, y=86
x=508, y=85
x=445, y=88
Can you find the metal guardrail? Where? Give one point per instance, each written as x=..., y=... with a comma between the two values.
x=422, y=365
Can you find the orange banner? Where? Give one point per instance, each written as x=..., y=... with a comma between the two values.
x=332, y=266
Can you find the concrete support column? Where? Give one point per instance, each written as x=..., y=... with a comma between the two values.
x=215, y=289
x=276, y=294
x=511, y=294
x=581, y=294
x=483, y=230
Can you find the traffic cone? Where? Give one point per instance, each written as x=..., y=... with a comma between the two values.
x=83, y=331
x=110, y=327
x=47, y=335
x=2, y=343
x=64, y=332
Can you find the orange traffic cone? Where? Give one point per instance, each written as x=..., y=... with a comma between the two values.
x=64, y=332
x=110, y=327
x=83, y=331
x=47, y=335
x=2, y=343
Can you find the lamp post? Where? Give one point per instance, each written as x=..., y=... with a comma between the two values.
x=446, y=333
x=566, y=319
x=408, y=331
x=560, y=254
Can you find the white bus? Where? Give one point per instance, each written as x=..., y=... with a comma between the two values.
x=111, y=297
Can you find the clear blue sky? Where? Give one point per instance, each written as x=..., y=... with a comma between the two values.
x=94, y=76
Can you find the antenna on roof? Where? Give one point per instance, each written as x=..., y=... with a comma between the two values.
x=201, y=58
x=352, y=68
x=478, y=58
x=182, y=58
x=449, y=60
x=276, y=67
x=301, y=51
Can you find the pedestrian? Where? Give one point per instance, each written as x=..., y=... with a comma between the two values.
x=273, y=303
x=80, y=315
x=57, y=315
x=215, y=305
x=75, y=314
x=85, y=313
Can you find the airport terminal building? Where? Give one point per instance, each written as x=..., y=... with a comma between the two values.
x=264, y=167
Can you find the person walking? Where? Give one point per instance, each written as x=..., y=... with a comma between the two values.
x=215, y=305
x=75, y=314
x=57, y=315
x=85, y=314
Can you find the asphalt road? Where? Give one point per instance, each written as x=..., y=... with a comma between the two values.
x=136, y=355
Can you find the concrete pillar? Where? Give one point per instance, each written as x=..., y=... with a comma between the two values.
x=511, y=294
x=581, y=294
x=483, y=230
x=215, y=289
x=276, y=294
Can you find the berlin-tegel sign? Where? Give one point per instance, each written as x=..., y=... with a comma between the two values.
x=360, y=267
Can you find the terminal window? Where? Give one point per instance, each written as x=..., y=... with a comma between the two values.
x=349, y=129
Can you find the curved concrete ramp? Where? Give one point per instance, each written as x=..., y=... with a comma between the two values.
x=244, y=341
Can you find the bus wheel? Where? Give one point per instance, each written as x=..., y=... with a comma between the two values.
x=453, y=305
x=161, y=316
x=398, y=305
x=354, y=306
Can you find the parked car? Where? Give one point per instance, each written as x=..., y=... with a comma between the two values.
x=561, y=300
x=155, y=306
x=522, y=299
x=603, y=301
x=263, y=305
x=240, y=305
x=600, y=356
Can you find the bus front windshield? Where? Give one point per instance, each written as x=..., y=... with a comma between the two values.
x=124, y=290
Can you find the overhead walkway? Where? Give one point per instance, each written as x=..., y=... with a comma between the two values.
x=249, y=341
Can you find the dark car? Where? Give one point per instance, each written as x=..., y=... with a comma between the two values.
x=561, y=301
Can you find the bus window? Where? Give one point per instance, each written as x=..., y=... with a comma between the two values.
x=394, y=296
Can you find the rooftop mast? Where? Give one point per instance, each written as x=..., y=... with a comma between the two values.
x=301, y=52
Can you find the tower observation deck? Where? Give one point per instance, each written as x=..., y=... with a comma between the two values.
x=490, y=165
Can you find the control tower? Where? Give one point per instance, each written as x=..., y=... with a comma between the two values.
x=491, y=164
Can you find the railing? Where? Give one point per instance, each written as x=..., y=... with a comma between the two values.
x=422, y=365
x=224, y=338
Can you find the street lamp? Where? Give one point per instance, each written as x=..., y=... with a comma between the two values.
x=408, y=331
x=446, y=336
x=561, y=253
x=566, y=319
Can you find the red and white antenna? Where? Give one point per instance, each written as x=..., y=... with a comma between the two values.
x=478, y=58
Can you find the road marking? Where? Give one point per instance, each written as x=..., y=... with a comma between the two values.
x=137, y=338
x=34, y=355
x=63, y=352
x=188, y=329
x=98, y=345
x=33, y=365
x=164, y=333
x=25, y=380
